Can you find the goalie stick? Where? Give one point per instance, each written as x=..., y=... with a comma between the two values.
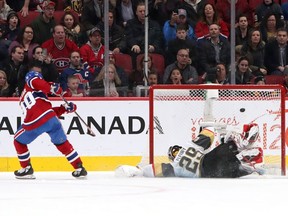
x=90, y=132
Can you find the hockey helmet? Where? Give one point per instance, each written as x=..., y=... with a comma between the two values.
x=173, y=151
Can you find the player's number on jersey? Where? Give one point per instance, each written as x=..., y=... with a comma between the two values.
x=28, y=101
x=191, y=160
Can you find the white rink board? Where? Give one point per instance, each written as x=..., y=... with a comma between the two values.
x=117, y=142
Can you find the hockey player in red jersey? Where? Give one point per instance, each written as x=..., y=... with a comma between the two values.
x=235, y=157
x=41, y=117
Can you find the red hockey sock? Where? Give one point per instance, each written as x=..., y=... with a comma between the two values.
x=23, y=153
x=72, y=156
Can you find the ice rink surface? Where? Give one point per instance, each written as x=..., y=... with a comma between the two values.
x=58, y=193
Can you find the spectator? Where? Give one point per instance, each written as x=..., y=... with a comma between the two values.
x=152, y=78
x=71, y=27
x=188, y=72
x=92, y=13
x=170, y=27
x=117, y=41
x=243, y=72
x=213, y=50
x=79, y=70
x=135, y=35
x=93, y=51
x=100, y=86
x=138, y=76
x=254, y=49
x=241, y=7
x=73, y=89
x=175, y=77
x=164, y=8
x=242, y=30
x=276, y=53
x=26, y=39
x=60, y=48
x=49, y=72
x=11, y=67
x=74, y=5
x=4, y=10
x=125, y=10
x=221, y=75
x=11, y=29
x=4, y=86
x=44, y=24
x=264, y=8
x=120, y=71
x=269, y=26
x=260, y=80
x=181, y=42
x=209, y=15
x=194, y=9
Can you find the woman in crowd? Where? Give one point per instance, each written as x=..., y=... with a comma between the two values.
x=4, y=86
x=254, y=49
x=71, y=27
x=269, y=26
x=243, y=72
x=25, y=39
x=210, y=16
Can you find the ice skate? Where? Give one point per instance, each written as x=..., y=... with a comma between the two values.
x=80, y=172
x=128, y=171
x=252, y=160
x=25, y=173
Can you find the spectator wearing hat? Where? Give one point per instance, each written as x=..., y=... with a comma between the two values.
x=260, y=80
x=60, y=48
x=170, y=26
x=43, y=25
x=12, y=28
x=93, y=51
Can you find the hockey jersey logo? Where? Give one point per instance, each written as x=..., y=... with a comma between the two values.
x=61, y=63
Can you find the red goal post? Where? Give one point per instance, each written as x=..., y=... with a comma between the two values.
x=176, y=113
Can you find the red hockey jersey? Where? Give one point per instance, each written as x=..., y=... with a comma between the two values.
x=35, y=103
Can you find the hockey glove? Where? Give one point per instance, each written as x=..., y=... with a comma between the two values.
x=56, y=89
x=70, y=107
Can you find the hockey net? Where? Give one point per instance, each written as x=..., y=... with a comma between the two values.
x=177, y=112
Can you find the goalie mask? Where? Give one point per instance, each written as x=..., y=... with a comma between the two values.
x=173, y=151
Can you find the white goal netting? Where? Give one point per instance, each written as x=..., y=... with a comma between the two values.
x=177, y=112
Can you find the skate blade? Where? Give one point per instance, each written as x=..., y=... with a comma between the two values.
x=27, y=177
x=81, y=177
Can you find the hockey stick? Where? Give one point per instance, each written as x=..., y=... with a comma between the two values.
x=90, y=132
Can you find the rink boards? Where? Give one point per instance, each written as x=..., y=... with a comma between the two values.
x=121, y=128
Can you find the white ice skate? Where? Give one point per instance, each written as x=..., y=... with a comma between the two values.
x=128, y=171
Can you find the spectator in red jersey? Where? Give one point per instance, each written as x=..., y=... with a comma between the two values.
x=210, y=15
x=93, y=51
x=241, y=7
x=60, y=48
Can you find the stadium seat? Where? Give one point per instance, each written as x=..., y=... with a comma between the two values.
x=157, y=60
x=274, y=79
x=124, y=61
x=34, y=14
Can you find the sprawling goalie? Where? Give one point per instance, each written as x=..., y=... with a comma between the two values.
x=236, y=156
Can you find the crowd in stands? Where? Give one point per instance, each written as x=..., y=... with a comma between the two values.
x=189, y=42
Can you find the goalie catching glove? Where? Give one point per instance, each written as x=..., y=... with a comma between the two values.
x=56, y=89
x=70, y=107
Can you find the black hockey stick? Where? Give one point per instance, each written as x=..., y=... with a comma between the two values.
x=90, y=132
